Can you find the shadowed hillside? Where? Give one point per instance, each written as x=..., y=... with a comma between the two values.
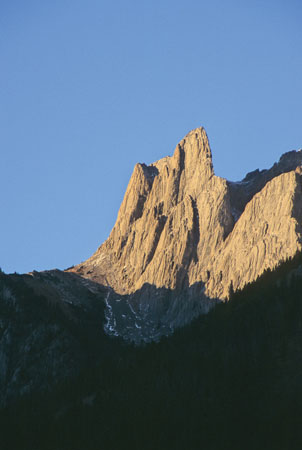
x=230, y=380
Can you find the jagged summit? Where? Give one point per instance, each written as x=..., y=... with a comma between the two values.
x=195, y=145
x=157, y=233
x=180, y=225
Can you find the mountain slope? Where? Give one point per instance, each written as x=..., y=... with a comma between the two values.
x=51, y=326
x=230, y=380
x=267, y=233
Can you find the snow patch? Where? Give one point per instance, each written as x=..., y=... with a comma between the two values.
x=110, y=325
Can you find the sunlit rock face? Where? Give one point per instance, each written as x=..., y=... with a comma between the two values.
x=180, y=226
x=174, y=216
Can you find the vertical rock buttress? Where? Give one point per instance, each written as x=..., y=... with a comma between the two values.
x=176, y=226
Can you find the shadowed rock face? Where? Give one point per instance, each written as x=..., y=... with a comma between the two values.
x=180, y=225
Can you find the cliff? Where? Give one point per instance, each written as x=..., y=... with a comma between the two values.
x=180, y=225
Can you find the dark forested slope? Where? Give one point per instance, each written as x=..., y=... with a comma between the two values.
x=230, y=380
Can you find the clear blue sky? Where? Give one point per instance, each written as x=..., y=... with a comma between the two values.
x=90, y=87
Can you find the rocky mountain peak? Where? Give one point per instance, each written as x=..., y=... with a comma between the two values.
x=183, y=229
x=289, y=160
x=173, y=214
x=193, y=154
x=175, y=177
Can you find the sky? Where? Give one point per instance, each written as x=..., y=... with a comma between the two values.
x=88, y=88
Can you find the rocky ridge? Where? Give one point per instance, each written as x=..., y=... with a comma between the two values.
x=182, y=228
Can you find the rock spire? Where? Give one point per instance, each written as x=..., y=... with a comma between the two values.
x=180, y=225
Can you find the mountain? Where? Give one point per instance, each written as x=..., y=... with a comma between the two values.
x=183, y=231
x=185, y=243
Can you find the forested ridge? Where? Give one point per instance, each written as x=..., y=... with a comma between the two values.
x=230, y=380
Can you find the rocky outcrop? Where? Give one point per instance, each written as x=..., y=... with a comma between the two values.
x=179, y=225
x=242, y=192
x=175, y=215
x=268, y=232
